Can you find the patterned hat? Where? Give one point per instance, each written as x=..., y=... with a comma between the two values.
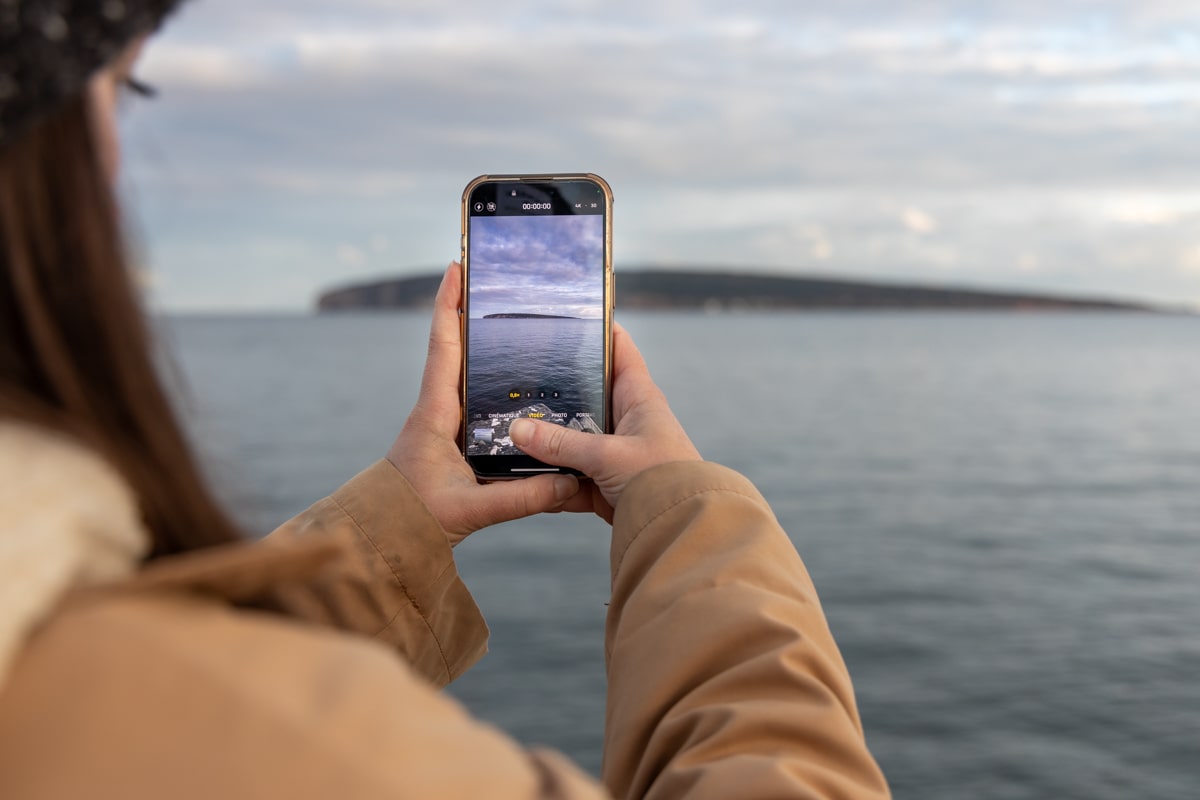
x=49, y=49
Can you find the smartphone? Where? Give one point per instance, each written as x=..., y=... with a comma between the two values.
x=537, y=313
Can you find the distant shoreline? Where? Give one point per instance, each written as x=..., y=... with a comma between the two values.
x=525, y=316
x=663, y=290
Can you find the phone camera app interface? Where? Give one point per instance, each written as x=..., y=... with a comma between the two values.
x=535, y=307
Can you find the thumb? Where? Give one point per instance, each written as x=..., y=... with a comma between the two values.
x=557, y=445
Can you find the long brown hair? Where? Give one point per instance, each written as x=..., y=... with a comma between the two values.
x=74, y=344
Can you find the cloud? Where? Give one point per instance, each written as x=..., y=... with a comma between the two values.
x=537, y=265
x=205, y=66
x=821, y=246
x=351, y=256
x=918, y=221
x=724, y=96
x=1189, y=261
x=778, y=135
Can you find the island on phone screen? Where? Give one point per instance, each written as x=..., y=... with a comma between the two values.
x=535, y=326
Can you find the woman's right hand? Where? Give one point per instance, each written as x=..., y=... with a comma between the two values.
x=647, y=434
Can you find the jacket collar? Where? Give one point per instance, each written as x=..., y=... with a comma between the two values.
x=67, y=519
x=70, y=528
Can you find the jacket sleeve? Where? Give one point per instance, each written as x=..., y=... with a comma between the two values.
x=394, y=577
x=724, y=679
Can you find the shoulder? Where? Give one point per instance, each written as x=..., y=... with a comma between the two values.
x=40, y=465
x=166, y=695
x=53, y=488
x=67, y=518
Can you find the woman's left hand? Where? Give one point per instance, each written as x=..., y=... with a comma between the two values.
x=427, y=453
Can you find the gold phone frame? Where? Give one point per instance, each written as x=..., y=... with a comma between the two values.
x=609, y=286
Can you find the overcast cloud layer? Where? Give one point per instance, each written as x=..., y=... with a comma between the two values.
x=300, y=144
x=551, y=265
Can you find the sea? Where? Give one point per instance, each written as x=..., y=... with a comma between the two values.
x=521, y=364
x=1001, y=512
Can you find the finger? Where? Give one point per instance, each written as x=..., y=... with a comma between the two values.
x=632, y=383
x=590, y=500
x=494, y=503
x=563, y=447
x=443, y=364
x=581, y=503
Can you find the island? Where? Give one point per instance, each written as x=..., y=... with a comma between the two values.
x=736, y=290
x=525, y=316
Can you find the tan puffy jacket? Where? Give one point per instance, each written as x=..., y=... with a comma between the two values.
x=307, y=666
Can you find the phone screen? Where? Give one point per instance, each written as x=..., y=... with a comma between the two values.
x=537, y=314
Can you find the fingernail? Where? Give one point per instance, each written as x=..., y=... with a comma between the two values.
x=565, y=487
x=521, y=431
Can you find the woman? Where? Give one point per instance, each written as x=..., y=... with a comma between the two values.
x=145, y=651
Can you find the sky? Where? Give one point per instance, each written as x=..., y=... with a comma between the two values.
x=551, y=265
x=299, y=145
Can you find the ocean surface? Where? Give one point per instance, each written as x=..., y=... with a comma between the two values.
x=1000, y=511
x=557, y=364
